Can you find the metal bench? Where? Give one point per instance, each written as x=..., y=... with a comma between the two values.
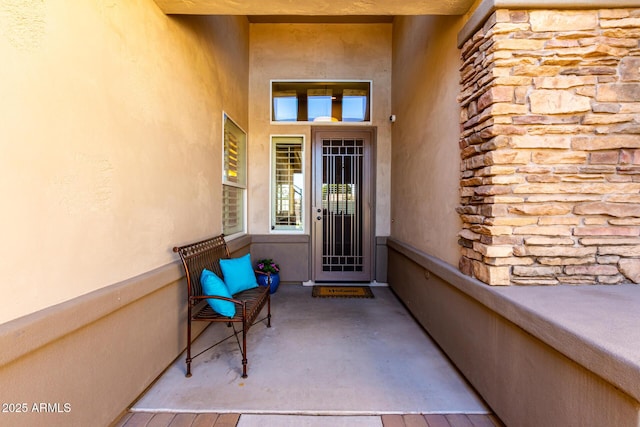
x=207, y=254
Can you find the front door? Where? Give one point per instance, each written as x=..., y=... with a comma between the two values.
x=342, y=204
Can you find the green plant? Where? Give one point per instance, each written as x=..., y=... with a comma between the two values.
x=267, y=265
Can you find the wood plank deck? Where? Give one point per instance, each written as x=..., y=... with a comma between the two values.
x=165, y=419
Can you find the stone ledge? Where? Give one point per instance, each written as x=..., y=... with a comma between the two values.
x=596, y=326
x=487, y=7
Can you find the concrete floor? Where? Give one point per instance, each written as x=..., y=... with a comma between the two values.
x=322, y=356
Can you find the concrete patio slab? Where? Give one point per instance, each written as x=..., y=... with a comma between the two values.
x=322, y=356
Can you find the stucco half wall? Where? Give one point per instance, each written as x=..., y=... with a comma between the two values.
x=89, y=358
x=534, y=366
x=536, y=363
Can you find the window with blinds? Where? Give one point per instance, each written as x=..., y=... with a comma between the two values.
x=287, y=183
x=234, y=181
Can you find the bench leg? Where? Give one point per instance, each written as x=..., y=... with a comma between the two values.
x=244, y=351
x=268, y=311
x=188, y=375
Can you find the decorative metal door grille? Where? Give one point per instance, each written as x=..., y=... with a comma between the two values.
x=342, y=225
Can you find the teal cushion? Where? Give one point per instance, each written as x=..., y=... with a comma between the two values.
x=238, y=274
x=214, y=286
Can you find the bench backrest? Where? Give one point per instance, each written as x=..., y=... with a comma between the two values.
x=200, y=255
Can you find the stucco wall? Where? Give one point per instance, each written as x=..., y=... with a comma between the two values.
x=322, y=52
x=425, y=160
x=89, y=358
x=531, y=360
x=110, y=139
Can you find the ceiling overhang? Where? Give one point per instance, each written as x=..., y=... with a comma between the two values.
x=329, y=8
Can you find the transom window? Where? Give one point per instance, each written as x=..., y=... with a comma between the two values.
x=313, y=101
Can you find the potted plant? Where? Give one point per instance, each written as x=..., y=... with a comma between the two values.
x=270, y=271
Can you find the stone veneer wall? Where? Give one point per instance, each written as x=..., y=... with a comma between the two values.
x=550, y=147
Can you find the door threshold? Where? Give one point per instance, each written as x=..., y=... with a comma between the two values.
x=329, y=283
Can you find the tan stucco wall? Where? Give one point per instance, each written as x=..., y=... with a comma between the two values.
x=535, y=362
x=110, y=139
x=322, y=52
x=425, y=160
x=89, y=358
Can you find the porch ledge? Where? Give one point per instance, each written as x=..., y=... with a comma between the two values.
x=23, y=335
x=594, y=325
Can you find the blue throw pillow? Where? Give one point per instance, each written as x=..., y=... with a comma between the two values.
x=214, y=286
x=238, y=274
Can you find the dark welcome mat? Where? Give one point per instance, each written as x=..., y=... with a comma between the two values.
x=342, y=292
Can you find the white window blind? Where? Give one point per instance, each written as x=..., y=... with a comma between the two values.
x=234, y=183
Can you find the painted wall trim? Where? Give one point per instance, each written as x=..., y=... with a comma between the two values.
x=239, y=243
x=280, y=238
x=620, y=367
x=487, y=7
x=291, y=251
x=381, y=240
x=55, y=322
x=381, y=259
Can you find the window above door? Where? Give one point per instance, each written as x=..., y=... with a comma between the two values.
x=320, y=101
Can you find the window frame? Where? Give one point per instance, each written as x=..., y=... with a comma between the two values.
x=272, y=183
x=242, y=186
x=322, y=123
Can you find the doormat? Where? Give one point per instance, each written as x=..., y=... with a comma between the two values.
x=342, y=292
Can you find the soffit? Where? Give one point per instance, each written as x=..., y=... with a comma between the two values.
x=305, y=19
x=341, y=9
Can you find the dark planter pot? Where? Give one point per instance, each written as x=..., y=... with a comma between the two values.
x=275, y=281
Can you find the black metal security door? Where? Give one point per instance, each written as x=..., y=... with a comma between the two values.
x=342, y=205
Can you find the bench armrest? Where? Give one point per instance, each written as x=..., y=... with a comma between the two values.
x=203, y=297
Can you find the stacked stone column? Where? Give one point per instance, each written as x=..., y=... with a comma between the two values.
x=550, y=148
